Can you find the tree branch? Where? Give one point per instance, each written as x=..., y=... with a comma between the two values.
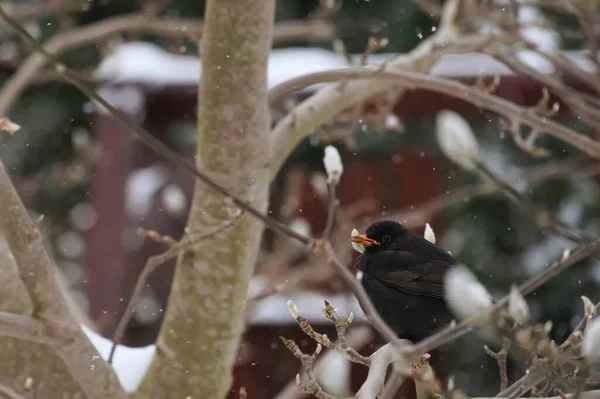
x=51, y=312
x=146, y=137
x=452, y=332
x=29, y=328
x=41, y=10
x=135, y=22
x=412, y=80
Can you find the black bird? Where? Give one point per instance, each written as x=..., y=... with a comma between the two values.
x=403, y=274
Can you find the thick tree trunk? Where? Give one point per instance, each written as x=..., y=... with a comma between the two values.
x=205, y=317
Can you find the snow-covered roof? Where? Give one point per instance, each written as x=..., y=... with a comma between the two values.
x=148, y=64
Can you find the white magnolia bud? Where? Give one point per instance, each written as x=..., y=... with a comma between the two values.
x=293, y=309
x=301, y=226
x=333, y=164
x=335, y=375
x=429, y=234
x=465, y=296
x=456, y=139
x=517, y=306
x=588, y=307
x=359, y=247
x=590, y=347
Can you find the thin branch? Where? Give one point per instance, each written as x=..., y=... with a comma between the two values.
x=152, y=264
x=332, y=210
x=544, y=218
x=324, y=105
x=36, y=272
x=146, y=137
x=453, y=89
x=9, y=393
x=41, y=10
x=452, y=332
x=417, y=214
x=323, y=248
x=582, y=103
x=136, y=22
x=530, y=380
x=156, y=145
x=356, y=338
x=32, y=329
x=501, y=357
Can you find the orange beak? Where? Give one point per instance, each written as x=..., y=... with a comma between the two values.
x=364, y=240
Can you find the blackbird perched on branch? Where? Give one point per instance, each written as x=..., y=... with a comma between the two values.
x=403, y=274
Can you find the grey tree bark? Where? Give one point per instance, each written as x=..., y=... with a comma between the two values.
x=54, y=359
x=205, y=316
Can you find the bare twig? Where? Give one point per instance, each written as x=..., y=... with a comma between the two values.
x=331, y=214
x=544, y=219
x=156, y=236
x=135, y=22
x=530, y=380
x=356, y=338
x=501, y=357
x=374, y=44
x=41, y=10
x=452, y=332
x=418, y=214
x=146, y=137
x=152, y=264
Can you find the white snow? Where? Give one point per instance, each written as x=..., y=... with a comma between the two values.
x=145, y=62
x=148, y=64
x=535, y=61
x=140, y=187
x=545, y=39
x=174, y=200
x=130, y=364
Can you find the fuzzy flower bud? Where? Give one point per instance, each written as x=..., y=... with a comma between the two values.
x=590, y=347
x=293, y=309
x=333, y=164
x=465, y=295
x=359, y=247
x=588, y=307
x=429, y=234
x=517, y=306
x=456, y=139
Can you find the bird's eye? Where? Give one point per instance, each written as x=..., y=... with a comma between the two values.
x=386, y=238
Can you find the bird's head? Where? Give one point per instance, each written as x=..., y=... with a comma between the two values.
x=381, y=236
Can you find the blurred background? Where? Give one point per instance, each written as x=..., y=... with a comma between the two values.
x=96, y=186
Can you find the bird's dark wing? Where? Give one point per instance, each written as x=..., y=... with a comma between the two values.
x=405, y=272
